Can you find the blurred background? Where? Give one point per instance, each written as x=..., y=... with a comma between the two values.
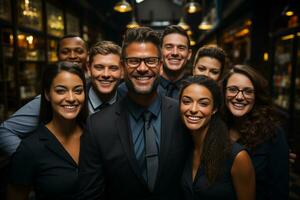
x=264, y=34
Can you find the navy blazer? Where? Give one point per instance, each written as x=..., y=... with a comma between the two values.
x=108, y=163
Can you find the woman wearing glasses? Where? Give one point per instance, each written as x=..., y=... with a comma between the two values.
x=253, y=122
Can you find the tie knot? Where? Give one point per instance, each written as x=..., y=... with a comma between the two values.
x=147, y=116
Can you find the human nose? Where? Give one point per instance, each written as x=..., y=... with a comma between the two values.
x=106, y=72
x=174, y=51
x=239, y=95
x=70, y=97
x=142, y=66
x=73, y=54
x=194, y=107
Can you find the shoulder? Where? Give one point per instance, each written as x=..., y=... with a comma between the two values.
x=242, y=164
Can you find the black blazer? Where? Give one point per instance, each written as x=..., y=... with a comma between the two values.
x=107, y=156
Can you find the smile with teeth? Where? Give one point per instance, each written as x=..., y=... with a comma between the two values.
x=193, y=118
x=70, y=107
x=238, y=105
x=106, y=82
x=142, y=78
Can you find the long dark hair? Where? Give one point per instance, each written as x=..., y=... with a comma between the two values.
x=217, y=145
x=260, y=123
x=50, y=72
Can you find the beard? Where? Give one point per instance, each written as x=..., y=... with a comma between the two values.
x=133, y=89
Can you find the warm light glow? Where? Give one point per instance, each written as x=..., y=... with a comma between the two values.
x=21, y=37
x=242, y=32
x=298, y=34
x=29, y=39
x=192, y=7
x=205, y=26
x=139, y=1
x=133, y=24
x=189, y=32
x=192, y=42
x=287, y=37
x=266, y=56
x=183, y=24
x=289, y=13
x=248, y=23
x=122, y=6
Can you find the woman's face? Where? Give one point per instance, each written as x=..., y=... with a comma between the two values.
x=240, y=95
x=209, y=67
x=196, y=107
x=66, y=95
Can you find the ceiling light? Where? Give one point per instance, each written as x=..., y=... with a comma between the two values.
x=133, y=24
x=122, y=6
x=205, y=25
x=183, y=24
x=192, y=7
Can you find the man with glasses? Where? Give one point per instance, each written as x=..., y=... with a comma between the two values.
x=137, y=152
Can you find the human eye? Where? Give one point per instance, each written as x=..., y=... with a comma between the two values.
x=201, y=68
x=64, y=51
x=114, y=68
x=248, y=91
x=186, y=100
x=78, y=90
x=60, y=90
x=232, y=89
x=99, y=67
x=168, y=46
x=151, y=61
x=79, y=50
x=182, y=47
x=215, y=72
x=133, y=61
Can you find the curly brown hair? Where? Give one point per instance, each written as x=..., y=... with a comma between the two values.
x=260, y=123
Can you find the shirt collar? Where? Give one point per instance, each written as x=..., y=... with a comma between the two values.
x=137, y=110
x=165, y=82
x=96, y=101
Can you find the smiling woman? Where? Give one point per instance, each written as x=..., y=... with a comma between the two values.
x=47, y=160
x=253, y=122
x=215, y=167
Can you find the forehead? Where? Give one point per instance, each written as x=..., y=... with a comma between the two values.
x=209, y=62
x=197, y=91
x=73, y=42
x=109, y=59
x=66, y=79
x=175, y=39
x=239, y=80
x=143, y=49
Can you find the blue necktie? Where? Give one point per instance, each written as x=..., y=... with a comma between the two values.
x=151, y=151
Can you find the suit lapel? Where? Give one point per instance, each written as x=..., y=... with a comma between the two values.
x=166, y=133
x=53, y=145
x=125, y=137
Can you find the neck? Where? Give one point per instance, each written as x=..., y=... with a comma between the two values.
x=199, y=137
x=172, y=76
x=105, y=97
x=142, y=99
x=62, y=127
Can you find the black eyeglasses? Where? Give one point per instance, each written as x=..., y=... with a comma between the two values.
x=233, y=91
x=135, y=62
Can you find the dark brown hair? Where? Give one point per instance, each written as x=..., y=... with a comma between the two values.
x=175, y=29
x=140, y=35
x=211, y=51
x=217, y=145
x=260, y=123
x=49, y=73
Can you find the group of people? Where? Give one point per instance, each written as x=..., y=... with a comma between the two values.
x=139, y=128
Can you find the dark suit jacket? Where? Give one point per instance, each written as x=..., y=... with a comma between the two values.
x=107, y=151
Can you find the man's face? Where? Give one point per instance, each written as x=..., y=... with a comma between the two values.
x=209, y=67
x=142, y=78
x=73, y=50
x=105, y=72
x=176, y=52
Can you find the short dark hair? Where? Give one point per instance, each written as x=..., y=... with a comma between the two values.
x=212, y=51
x=175, y=29
x=104, y=48
x=66, y=37
x=141, y=35
x=49, y=74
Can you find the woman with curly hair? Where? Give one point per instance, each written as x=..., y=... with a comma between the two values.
x=253, y=122
x=215, y=168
